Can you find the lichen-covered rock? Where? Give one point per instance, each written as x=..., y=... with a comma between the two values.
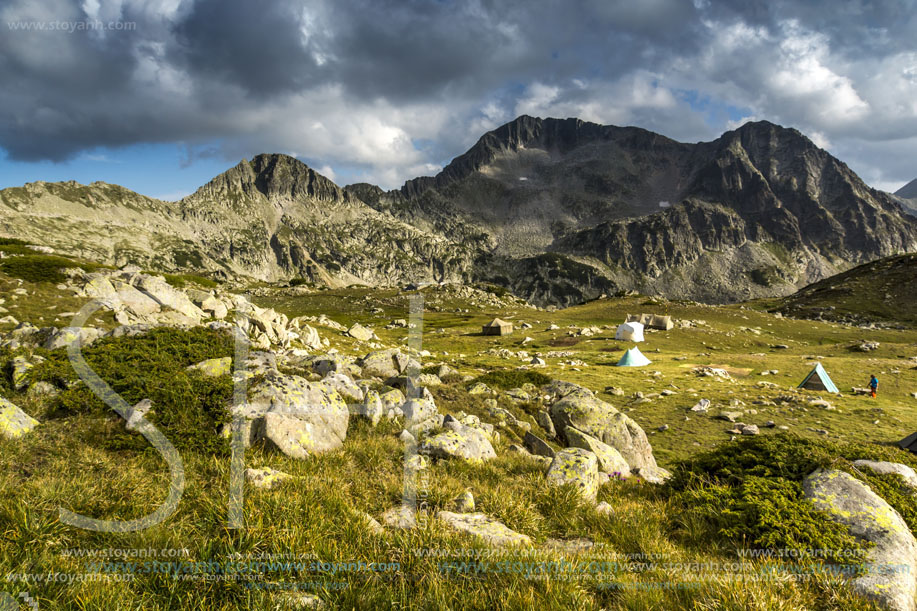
x=400, y=517
x=852, y=503
x=464, y=442
x=21, y=372
x=61, y=338
x=298, y=417
x=266, y=478
x=889, y=468
x=371, y=408
x=610, y=460
x=581, y=410
x=381, y=364
x=346, y=387
x=479, y=388
x=489, y=529
x=577, y=467
x=428, y=379
x=545, y=422
x=14, y=422
x=464, y=503
x=419, y=411
x=214, y=368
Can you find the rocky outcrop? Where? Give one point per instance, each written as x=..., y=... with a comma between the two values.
x=584, y=412
x=298, y=417
x=891, y=578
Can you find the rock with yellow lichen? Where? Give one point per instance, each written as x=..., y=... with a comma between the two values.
x=891, y=576
x=490, y=530
x=214, y=368
x=266, y=478
x=610, y=460
x=298, y=417
x=464, y=442
x=582, y=410
x=14, y=422
x=577, y=467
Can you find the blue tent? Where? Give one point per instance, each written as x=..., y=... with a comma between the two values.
x=818, y=379
x=633, y=358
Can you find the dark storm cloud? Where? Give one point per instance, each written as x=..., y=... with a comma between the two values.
x=259, y=46
x=394, y=88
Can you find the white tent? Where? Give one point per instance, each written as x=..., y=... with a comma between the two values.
x=633, y=358
x=630, y=331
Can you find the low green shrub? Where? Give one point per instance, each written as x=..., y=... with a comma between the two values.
x=750, y=492
x=512, y=378
x=38, y=268
x=188, y=407
x=181, y=281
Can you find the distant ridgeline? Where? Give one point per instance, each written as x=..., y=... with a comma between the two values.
x=556, y=211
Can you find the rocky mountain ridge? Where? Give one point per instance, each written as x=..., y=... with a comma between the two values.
x=558, y=211
x=907, y=195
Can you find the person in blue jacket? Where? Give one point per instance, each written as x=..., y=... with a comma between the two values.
x=873, y=385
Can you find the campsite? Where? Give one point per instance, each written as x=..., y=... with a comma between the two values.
x=744, y=339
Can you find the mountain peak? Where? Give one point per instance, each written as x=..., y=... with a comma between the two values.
x=274, y=176
x=908, y=191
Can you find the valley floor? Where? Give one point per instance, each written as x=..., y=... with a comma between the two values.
x=308, y=541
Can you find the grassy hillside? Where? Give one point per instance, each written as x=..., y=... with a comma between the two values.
x=883, y=290
x=82, y=458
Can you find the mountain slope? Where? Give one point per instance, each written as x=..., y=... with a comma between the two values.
x=759, y=211
x=272, y=218
x=558, y=210
x=908, y=196
x=882, y=290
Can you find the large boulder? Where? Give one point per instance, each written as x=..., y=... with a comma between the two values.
x=298, y=417
x=581, y=410
x=490, y=530
x=610, y=460
x=165, y=295
x=136, y=302
x=577, y=467
x=464, y=442
x=852, y=503
x=14, y=422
